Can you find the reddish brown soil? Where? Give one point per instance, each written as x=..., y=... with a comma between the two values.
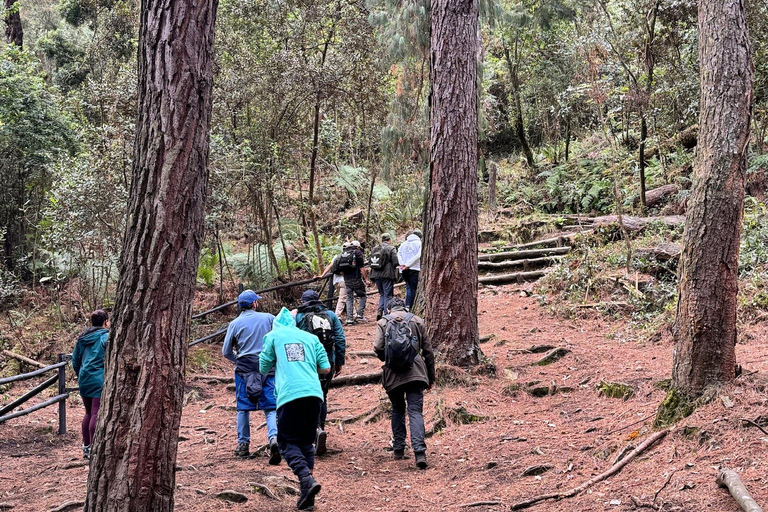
x=578, y=433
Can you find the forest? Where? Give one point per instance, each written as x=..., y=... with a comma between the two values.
x=587, y=183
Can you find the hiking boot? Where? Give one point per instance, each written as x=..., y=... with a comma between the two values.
x=320, y=438
x=309, y=489
x=274, y=453
x=421, y=460
x=242, y=450
x=86, y=452
x=361, y=319
x=398, y=454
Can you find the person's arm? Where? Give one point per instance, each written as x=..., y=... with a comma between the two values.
x=427, y=353
x=327, y=269
x=378, y=342
x=395, y=259
x=227, y=350
x=267, y=357
x=323, y=365
x=339, y=343
x=77, y=357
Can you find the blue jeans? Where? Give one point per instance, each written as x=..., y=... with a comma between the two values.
x=411, y=278
x=385, y=287
x=244, y=425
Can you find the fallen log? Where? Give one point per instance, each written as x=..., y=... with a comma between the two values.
x=361, y=353
x=555, y=241
x=632, y=223
x=213, y=378
x=730, y=479
x=515, y=277
x=599, y=478
x=521, y=255
x=528, y=263
x=354, y=380
x=67, y=506
x=660, y=194
x=19, y=357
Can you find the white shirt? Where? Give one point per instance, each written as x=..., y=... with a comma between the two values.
x=409, y=253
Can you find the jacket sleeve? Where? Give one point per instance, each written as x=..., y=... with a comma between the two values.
x=322, y=356
x=339, y=341
x=395, y=261
x=77, y=357
x=427, y=353
x=267, y=357
x=227, y=349
x=378, y=343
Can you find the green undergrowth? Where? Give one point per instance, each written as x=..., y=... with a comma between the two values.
x=593, y=277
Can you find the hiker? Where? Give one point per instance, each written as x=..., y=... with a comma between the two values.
x=352, y=265
x=314, y=318
x=409, y=368
x=337, y=282
x=243, y=344
x=297, y=357
x=88, y=362
x=384, y=266
x=409, y=255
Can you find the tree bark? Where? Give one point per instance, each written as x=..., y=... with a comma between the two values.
x=13, y=31
x=133, y=457
x=650, y=63
x=492, y=175
x=705, y=327
x=450, y=254
x=519, y=124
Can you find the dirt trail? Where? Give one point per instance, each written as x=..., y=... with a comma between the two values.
x=577, y=432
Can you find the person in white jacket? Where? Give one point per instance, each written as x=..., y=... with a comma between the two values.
x=409, y=256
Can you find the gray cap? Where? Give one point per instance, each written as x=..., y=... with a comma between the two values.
x=385, y=237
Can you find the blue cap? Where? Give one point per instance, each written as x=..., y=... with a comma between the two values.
x=309, y=295
x=247, y=298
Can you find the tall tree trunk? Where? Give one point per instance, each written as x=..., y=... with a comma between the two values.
x=705, y=327
x=13, y=31
x=519, y=124
x=132, y=464
x=450, y=254
x=641, y=155
x=312, y=169
x=650, y=62
x=567, y=138
x=374, y=174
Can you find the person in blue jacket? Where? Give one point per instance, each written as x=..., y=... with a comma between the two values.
x=313, y=317
x=242, y=345
x=88, y=362
x=298, y=357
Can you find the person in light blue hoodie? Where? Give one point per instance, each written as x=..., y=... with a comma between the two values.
x=88, y=362
x=297, y=357
x=242, y=345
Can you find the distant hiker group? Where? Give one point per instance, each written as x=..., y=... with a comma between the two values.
x=284, y=364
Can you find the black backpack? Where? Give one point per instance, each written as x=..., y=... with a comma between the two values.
x=378, y=257
x=320, y=325
x=347, y=262
x=400, y=344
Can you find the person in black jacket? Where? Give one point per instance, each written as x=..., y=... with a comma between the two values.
x=354, y=280
x=384, y=271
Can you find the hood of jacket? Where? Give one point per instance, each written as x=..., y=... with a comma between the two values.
x=413, y=238
x=91, y=335
x=283, y=319
x=313, y=306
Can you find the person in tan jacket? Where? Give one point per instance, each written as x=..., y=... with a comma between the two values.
x=409, y=368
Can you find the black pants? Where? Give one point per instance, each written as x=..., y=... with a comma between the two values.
x=413, y=393
x=325, y=382
x=296, y=426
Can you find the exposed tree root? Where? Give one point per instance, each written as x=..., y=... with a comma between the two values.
x=730, y=479
x=354, y=380
x=675, y=407
x=602, y=476
x=451, y=376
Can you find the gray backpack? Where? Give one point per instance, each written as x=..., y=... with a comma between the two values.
x=400, y=344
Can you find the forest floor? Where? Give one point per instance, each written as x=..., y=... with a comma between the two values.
x=577, y=432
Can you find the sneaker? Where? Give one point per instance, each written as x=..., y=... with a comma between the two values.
x=309, y=490
x=398, y=454
x=320, y=438
x=274, y=453
x=242, y=450
x=350, y=321
x=361, y=319
x=86, y=452
x=421, y=460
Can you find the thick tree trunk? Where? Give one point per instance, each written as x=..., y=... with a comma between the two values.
x=450, y=255
x=132, y=464
x=705, y=328
x=13, y=31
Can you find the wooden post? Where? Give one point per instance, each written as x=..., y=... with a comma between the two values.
x=62, y=389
